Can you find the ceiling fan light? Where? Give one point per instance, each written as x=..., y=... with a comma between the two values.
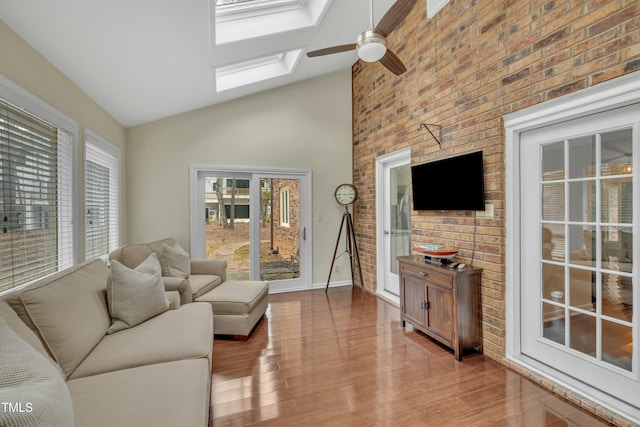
x=371, y=46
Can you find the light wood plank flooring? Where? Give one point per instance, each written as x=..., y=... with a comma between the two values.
x=342, y=359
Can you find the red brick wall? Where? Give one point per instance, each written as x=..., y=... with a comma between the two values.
x=286, y=238
x=468, y=66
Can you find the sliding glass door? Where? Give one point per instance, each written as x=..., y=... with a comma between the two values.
x=257, y=221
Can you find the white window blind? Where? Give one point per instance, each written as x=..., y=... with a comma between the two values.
x=35, y=181
x=65, y=200
x=101, y=197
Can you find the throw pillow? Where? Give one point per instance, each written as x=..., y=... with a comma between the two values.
x=175, y=261
x=135, y=295
x=32, y=391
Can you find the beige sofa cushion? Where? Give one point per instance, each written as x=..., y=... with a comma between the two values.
x=175, y=261
x=30, y=380
x=69, y=311
x=133, y=255
x=186, y=333
x=203, y=283
x=236, y=297
x=22, y=330
x=161, y=395
x=135, y=295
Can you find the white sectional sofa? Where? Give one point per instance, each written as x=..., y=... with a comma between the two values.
x=58, y=365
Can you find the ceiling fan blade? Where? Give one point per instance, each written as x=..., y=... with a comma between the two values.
x=330, y=50
x=393, y=63
x=394, y=16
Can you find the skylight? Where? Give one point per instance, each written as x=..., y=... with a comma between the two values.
x=221, y=2
x=256, y=70
x=236, y=20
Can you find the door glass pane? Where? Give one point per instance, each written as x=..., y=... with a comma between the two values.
x=279, y=229
x=553, y=202
x=582, y=336
x=617, y=249
x=617, y=296
x=554, y=323
x=617, y=150
x=581, y=245
x=616, y=344
x=399, y=214
x=582, y=200
x=553, y=287
x=616, y=200
x=582, y=289
x=553, y=161
x=227, y=223
x=553, y=242
x=582, y=157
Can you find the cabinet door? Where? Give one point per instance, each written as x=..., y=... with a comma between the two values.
x=414, y=297
x=440, y=312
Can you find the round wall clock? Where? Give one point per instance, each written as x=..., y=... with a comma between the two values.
x=346, y=194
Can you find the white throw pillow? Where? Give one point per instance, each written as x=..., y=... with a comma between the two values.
x=175, y=261
x=32, y=391
x=135, y=295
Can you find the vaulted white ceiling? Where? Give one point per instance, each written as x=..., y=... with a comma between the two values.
x=143, y=60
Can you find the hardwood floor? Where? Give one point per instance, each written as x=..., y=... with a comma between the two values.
x=342, y=359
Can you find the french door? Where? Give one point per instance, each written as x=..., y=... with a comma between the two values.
x=255, y=219
x=579, y=222
x=394, y=219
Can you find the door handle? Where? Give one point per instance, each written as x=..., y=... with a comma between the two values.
x=304, y=233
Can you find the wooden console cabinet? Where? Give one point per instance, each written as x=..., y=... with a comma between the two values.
x=442, y=302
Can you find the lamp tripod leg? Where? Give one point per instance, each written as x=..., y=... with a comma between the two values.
x=333, y=260
x=355, y=247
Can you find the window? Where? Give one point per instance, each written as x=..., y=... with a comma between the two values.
x=284, y=207
x=36, y=187
x=101, y=197
x=237, y=20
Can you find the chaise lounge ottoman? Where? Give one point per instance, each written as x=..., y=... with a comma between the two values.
x=237, y=306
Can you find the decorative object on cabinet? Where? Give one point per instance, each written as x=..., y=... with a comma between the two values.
x=434, y=254
x=441, y=302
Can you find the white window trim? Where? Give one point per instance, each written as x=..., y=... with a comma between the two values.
x=253, y=9
x=100, y=143
x=19, y=96
x=232, y=23
x=284, y=210
x=615, y=93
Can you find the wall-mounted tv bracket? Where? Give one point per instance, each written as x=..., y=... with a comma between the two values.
x=437, y=138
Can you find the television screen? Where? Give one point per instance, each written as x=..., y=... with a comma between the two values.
x=452, y=184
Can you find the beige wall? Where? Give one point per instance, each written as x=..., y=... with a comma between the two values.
x=306, y=125
x=25, y=67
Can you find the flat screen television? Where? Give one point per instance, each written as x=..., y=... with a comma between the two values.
x=452, y=184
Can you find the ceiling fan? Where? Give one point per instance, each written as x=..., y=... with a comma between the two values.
x=371, y=45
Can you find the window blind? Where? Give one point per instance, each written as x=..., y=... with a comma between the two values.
x=35, y=165
x=101, y=199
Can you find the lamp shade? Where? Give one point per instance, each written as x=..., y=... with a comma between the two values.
x=371, y=46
